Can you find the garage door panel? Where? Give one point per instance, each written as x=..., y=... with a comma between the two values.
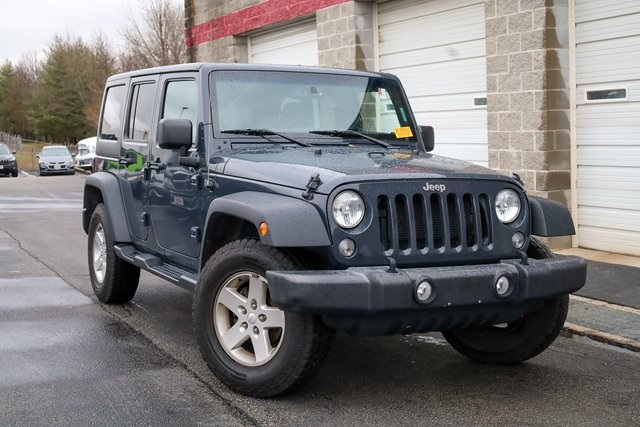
x=632, y=87
x=433, y=55
x=605, y=202
x=607, y=28
x=608, y=130
x=390, y=13
x=464, y=122
x=620, y=63
x=603, y=239
x=293, y=45
x=619, y=219
x=441, y=78
x=453, y=102
x=606, y=177
x=606, y=155
x=594, y=10
x=464, y=21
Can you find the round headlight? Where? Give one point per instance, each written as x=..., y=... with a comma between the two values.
x=507, y=205
x=348, y=209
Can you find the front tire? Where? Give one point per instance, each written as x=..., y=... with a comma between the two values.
x=113, y=279
x=250, y=344
x=14, y=174
x=515, y=342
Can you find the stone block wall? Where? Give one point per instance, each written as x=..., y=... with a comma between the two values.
x=345, y=36
x=528, y=95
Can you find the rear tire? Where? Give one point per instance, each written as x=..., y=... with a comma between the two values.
x=251, y=345
x=113, y=279
x=515, y=342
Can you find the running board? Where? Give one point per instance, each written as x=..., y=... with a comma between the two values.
x=151, y=263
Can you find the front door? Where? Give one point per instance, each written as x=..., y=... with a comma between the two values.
x=175, y=205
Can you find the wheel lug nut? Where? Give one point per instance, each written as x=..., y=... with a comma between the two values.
x=255, y=330
x=262, y=317
x=254, y=305
x=243, y=310
x=245, y=325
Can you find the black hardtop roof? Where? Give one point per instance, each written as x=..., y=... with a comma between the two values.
x=208, y=66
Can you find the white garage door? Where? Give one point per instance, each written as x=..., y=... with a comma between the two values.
x=292, y=45
x=608, y=124
x=437, y=48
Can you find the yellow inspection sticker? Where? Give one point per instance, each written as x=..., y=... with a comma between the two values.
x=403, y=132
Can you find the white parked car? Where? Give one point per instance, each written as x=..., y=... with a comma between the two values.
x=86, y=152
x=55, y=159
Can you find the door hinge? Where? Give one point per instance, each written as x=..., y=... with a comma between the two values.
x=144, y=218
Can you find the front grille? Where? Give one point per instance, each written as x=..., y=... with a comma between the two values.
x=434, y=223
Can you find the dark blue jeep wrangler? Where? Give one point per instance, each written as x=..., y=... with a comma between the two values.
x=296, y=202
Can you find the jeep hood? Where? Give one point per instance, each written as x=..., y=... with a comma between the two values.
x=293, y=166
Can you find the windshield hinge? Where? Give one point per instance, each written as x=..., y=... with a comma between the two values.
x=312, y=185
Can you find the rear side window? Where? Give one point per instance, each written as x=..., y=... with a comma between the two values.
x=111, y=122
x=141, y=111
x=181, y=101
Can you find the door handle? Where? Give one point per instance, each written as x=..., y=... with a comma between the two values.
x=125, y=160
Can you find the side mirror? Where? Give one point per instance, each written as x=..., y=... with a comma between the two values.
x=175, y=134
x=428, y=137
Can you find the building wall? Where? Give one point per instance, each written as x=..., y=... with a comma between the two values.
x=528, y=99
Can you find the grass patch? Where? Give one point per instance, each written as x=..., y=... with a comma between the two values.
x=27, y=155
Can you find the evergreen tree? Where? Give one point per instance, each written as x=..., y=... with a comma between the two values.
x=63, y=92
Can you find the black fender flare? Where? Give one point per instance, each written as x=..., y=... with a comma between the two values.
x=109, y=187
x=292, y=222
x=550, y=218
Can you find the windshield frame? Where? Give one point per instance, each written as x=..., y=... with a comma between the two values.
x=398, y=98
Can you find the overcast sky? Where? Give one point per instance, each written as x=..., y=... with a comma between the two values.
x=28, y=26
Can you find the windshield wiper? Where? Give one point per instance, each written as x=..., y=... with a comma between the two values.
x=264, y=133
x=347, y=133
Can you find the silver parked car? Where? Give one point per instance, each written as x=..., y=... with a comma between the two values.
x=56, y=159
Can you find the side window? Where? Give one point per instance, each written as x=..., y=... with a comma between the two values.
x=141, y=111
x=111, y=122
x=181, y=102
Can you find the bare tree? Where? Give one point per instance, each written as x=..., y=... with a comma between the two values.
x=157, y=38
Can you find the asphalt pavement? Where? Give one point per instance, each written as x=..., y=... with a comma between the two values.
x=65, y=359
x=607, y=308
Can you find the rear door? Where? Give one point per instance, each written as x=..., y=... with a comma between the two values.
x=139, y=134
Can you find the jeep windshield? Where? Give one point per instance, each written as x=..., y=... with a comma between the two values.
x=317, y=107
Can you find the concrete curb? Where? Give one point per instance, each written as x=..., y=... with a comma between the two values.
x=602, y=337
x=611, y=337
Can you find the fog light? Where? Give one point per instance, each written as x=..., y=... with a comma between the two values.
x=503, y=286
x=517, y=240
x=424, y=290
x=347, y=248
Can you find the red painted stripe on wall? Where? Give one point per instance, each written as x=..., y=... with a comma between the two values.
x=266, y=13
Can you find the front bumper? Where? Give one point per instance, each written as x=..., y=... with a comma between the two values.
x=459, y=292
x=7, y=168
